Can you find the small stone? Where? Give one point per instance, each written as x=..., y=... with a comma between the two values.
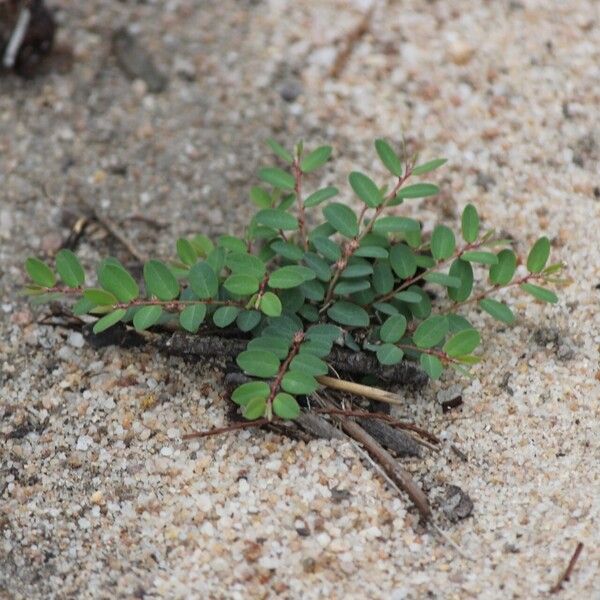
x=76, y=339
x=166, y=451
x=290, y=90
x=457, y=504
x=84, y=442
x=323, y=539
x=460, y=52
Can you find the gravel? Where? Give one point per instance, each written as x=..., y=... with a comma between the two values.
x=99, y=495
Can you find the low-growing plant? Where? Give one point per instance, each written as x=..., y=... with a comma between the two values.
x=362, y=279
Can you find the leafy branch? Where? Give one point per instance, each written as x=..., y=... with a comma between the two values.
x=360, y=279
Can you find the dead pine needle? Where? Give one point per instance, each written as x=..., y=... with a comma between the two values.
x=360, y=390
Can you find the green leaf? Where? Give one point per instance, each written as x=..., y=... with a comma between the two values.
x=464, y=342
x=538, y=255
x=247, y=320
x=109, y=320
x=225, y=316
x=277, y=219
x=315, y=159
x=82, y=306
x=393, y=329
x=291, y=299
x=324, y=332
x=383, y=278
x=69, y=268
x=118, y=281
x=431, y=365
x=403, y=261
x=245, y=264
x=463, y=271
x=160, y=282
x=442, y=243
x=40, y=272
x=290, y=276
x=202, y=244
x=388, y=354
x=191, y=317
x=385, y=308
x=365, y=189
x=429, y=166
x=259, y=363
x=247, y=391
x=255, y=409
x=458, y=323
x=498, y=310
x=357, y=267
x=418, y=190
x=349, y=314
x=260, y=197
x=388, y=157
x=146, y=316
x=443, y=279
x=341, y=218
x=216, y=260
x=277, y=345
x=277, y=178
x=396, y=225
x=411, y=297
x=241, y=285
x=320, y=196
x=372, y=252
x=431, y=331
x=329, y=249
x=476, y=256
x=470, y=224
x=318, y=265
x=309, y=312
x=270, y=304
x=186, y=252
x=503, y=272
x=540, y=293
x=280, y=151
x=296, y=382
x=285, y=406
x=317, y=347
x=100, y=297
x=203, y=281
x=350, y=287
x=308, y=363
x=287, y=250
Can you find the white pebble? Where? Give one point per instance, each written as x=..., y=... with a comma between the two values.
x=84, y=442
x=76, y=339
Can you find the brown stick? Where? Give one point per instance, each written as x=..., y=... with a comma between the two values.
x=383, y=417
x=399, y=475
x=568, y=571
x=341, y=359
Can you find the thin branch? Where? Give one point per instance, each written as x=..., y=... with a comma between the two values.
x=383, y=417
x=360, y=390
x=400, y=476
x=568, y=571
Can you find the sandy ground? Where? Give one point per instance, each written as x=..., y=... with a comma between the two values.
x=99, y=496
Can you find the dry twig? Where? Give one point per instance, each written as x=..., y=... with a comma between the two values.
x=568, y=571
